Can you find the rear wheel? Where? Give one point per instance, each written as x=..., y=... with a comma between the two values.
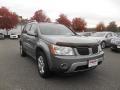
x=43, y=65
x=22, y=52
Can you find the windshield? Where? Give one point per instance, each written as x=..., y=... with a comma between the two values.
x=99, y=34
x=55, y=29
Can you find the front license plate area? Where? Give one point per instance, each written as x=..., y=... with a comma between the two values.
x=92, y=63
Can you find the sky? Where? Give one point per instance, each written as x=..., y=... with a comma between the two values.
x=93, y=11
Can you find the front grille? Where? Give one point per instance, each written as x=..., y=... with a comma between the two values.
x=87, y=50
x=81, y=68
x=83, y=50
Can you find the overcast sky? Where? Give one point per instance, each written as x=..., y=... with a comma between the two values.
x=93, y=11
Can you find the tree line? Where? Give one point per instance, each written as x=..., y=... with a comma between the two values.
x=112, y=26
x=78, y=24
x=9, y=20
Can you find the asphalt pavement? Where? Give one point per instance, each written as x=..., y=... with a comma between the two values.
x=18, y=73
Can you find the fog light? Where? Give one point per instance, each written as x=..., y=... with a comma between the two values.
x=64, y=66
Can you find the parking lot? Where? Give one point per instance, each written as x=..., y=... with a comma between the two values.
x=18, y=73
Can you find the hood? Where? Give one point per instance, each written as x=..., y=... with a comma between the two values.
x=70, y=40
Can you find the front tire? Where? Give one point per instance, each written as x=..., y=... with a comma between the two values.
x=43, y=67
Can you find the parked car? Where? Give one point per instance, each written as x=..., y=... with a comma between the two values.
x=2, y=36
x=115, y=44
x=85, y=33
x=13, y=36
x=104, y=38
x=58, y=49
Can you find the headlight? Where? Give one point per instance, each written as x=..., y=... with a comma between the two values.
x=61, y=50
x=99, y=47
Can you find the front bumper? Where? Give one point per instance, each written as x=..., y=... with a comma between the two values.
x=115, y=47
x=68, y=64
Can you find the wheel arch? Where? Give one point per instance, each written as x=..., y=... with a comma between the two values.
x=39, y=49
x=104, y=41
x=47, y=54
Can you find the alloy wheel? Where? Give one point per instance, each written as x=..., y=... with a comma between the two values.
x=41, y=64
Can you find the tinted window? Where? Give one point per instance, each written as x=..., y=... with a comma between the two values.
x=54, y=29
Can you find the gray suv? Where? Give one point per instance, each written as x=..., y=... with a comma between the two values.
x=58, y=49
